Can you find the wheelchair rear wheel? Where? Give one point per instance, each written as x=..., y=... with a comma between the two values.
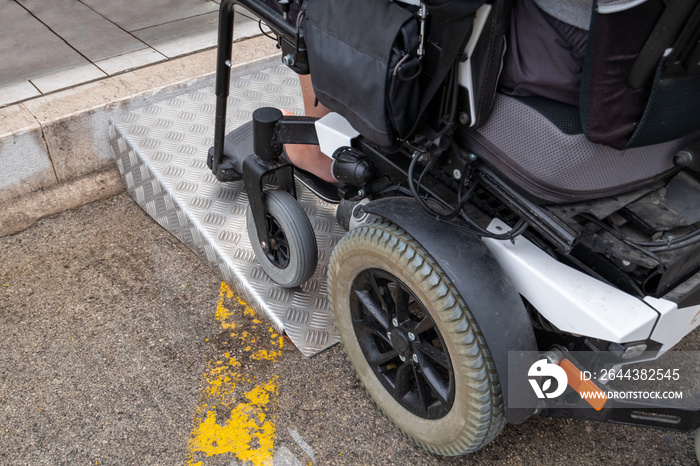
x=413, y=341
x=292, y=252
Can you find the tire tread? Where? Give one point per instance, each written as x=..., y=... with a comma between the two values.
x=300, y=234
x=487, y=417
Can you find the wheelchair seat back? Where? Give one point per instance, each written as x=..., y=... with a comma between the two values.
x=621, y=137
x=641, y=80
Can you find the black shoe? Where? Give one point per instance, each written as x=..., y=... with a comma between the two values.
x=321, y=188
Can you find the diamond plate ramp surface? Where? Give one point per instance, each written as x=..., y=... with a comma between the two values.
x=161, y=154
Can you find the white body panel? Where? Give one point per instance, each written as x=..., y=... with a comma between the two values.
x=673, y=323
x=334, y=132
x=578, y=303
x=571, y=300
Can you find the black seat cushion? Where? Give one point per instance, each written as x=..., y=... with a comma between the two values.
x=563, y=116
x=540, y=146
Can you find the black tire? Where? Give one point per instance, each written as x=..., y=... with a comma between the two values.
x=449, y=401
x=343, y=213
x=293, y=252
x=697, y=445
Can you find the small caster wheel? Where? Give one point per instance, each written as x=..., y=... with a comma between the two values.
x=292, y=254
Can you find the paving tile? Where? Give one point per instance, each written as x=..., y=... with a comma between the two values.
x=16, y=92
x=28, y=49
x=130, y=60
x=137, y=87
x=75, y=120
x=139, y=14
x=67, y=77
x=191, y=34
x=88, y=32
x=245, y=26
x=16, y=120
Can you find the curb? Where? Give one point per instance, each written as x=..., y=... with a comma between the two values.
x=59, y=142
x=19, y=214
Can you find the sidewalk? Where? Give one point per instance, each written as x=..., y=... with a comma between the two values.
x=54, y=45
x=71, y=65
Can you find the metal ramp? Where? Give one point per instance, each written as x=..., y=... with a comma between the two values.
x=161, y=153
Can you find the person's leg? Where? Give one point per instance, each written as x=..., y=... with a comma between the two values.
x=309, y=157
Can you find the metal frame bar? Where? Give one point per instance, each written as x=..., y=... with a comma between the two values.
x=274, y=20
x=271, y=135
x=562, y=236
x=254, y=174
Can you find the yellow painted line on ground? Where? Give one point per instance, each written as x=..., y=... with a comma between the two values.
x=247, y=430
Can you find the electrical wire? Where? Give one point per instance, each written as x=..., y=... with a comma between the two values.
x=665, y=245
x=415, y=191
x=260, y=23
x=624, y=239
x=695, y=239
x=655, y=246
x=461, y=197
x=692, y=234
x=473, y=227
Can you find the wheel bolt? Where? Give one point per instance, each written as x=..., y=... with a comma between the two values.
x=415, y=358
x=402, y=358
x=388, y=335
x=394, y=322
x=263, y=244
x=411, y=336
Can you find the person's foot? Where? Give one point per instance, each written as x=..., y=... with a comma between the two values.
x=310, y=158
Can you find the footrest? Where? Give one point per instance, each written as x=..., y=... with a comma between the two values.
x=323, y=189
x=238, y=145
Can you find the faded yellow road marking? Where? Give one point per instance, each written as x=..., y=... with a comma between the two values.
x=236, y=415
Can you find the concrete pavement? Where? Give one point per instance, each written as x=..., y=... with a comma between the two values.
x=70, y=65
x=57, y=146
x=48, y=46
x=120, y=347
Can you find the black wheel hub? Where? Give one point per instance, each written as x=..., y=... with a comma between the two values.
x=402, y=344
x=278, y=245
x=399, y=340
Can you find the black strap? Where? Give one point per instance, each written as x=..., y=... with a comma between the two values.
x=456, y=19
x=672, y=21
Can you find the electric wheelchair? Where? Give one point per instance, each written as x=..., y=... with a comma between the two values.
x=484, y=228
